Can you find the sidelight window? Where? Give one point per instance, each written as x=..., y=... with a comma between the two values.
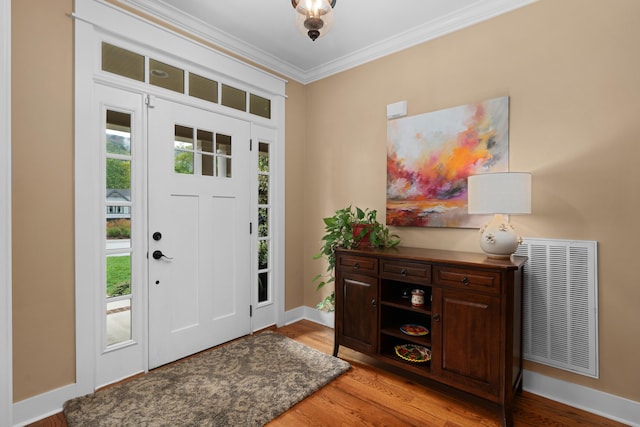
x=118, y=283
x=264, y=227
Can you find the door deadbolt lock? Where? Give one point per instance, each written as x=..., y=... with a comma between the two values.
x=157, y=236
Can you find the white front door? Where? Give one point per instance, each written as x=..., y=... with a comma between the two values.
x=199, y=242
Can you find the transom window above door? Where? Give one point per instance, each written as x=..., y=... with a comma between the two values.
x=201, y=152
x=142, y=68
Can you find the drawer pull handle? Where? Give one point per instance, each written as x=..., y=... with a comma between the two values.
x=356, y=265
x=373, y=302
x=403, y=272
x=465, y=281
x=436, y=317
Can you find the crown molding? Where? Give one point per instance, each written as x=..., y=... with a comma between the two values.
x=477, y=12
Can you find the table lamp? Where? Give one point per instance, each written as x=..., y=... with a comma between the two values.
x=500, y=194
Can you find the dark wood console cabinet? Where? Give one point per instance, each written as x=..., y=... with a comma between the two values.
x=473, y=310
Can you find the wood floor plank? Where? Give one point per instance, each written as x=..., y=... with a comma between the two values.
x=373, y=394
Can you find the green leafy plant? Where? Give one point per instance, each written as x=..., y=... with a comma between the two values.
x=339, y=232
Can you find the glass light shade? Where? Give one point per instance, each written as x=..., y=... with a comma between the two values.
x=499, y=193
x=314, y=18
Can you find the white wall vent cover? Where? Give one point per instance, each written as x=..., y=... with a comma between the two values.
x=560, y=307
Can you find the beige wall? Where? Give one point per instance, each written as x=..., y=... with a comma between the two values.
x=42, y=173
x=295, y=173
x=571, y=69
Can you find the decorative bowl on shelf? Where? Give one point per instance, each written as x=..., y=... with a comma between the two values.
x=414, y=330
x=413, y=353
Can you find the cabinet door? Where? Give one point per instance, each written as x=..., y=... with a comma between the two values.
x=357, y=311
x=470, y=331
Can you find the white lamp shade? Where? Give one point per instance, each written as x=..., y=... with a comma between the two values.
x=499, y=193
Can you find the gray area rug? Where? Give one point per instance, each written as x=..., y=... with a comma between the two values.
x=245, y=383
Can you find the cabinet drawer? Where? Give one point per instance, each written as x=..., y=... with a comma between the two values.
x=360, y=264
x=412, y=272
x=478, y=280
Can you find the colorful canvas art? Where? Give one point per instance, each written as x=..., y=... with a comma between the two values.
x=430, y=156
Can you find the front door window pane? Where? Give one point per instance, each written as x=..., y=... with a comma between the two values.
x=205, y=152
x=223, y=155
x=183, y=150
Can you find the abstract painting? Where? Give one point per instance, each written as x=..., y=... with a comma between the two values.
x=430, y=156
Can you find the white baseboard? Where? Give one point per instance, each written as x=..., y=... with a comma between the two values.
x=43, y=405
x=585, y=398
x=597, y=402
x=309, y=313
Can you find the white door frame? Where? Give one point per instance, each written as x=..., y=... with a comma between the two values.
x=6, y=332
x=95, y=21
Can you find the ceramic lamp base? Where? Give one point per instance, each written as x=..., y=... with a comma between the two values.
x=498, y=238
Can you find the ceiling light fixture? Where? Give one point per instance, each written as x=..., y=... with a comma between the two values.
x=314, y=17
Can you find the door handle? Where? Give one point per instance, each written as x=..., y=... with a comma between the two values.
x=159, y=254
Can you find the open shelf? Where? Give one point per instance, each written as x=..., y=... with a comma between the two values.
x=387, y=351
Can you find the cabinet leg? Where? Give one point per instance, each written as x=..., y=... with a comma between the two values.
x=335, y=347
x=507, y=416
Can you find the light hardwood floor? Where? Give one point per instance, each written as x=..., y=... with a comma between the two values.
x=370, y=394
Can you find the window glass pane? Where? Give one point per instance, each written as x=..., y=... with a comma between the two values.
x=234, y=98
x=118, y=133
x=263, y=189
x=223, y=143
x=263, y=157
x=118, y=275
x=263, y=222
x=205, y=141
x=118, y=178
x=259, y=106
x=118, y=227
x=206, y=163
x=122, y=62
x=263, y=254
x=166, y=76
x=118, y=321
x=183, y=150
x=223, y=155
x=203, y=88
x=263, y=177
x=263, y=286
x=183, y=162
x=183, y=137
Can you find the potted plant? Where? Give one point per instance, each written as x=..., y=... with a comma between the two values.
x=349, y=228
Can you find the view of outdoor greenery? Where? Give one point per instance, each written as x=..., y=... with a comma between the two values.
x=118, y=176
x=263, y=220
x=118, y=275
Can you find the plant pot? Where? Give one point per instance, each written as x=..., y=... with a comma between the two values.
x=357, y=229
